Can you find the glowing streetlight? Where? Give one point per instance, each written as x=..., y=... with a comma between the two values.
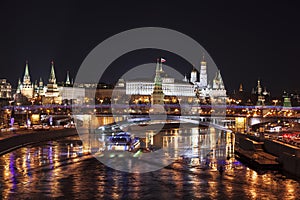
x=101, y=101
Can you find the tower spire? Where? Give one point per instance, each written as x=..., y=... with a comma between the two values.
x=26, y=69
x=41, y=84
x=26, y=78
x=19, y=86
x=259, y=89
x=68, y=79
x=241, y=87
x=203, y=74
x=157, y=95
x=193, y=78
x=157, y=79
x=52, y=78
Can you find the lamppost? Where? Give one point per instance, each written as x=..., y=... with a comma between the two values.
x=101, y=101
x=26, y=111
x=115, y=99
x=11, y=111
x=275, y=101
x=115, y=109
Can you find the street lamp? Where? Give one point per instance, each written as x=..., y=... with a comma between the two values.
x=101, y=101
x=275, y=102
x=115, y=99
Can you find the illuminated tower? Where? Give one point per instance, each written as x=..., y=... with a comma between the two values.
x=36, y=88
x=52, y=86
x=193, y=76
x=41, y=84
x=40, y=87
x=260, y=97
x=157, y=97
x=68, y=79
x=218, y=81
x=241, y=88
x=286, y=100
x=52, y=94
x=203, y=74
x=27, y=88
x=185, y=79
x=19, y=87
x=258, y=87
x=26, y=78
x=221, y=83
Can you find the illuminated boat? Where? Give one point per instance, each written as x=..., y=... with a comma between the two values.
x=123, y=141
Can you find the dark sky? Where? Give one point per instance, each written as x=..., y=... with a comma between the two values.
x=246, y=39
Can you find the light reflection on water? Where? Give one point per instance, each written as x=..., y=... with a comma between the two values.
x=63, y=169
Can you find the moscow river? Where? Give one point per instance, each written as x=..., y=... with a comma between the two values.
x=64, y=169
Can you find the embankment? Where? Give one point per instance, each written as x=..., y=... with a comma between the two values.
x=288, y=156
x=17, y=141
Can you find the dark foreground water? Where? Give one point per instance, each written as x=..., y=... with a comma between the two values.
x=61, y=169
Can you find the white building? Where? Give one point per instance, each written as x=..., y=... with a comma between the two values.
x=169, y=85
x=172, y=87
x=70, y=93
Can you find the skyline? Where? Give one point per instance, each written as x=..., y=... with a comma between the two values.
x=247, y=42
x=106, y=78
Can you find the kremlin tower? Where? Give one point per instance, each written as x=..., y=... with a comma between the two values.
x=218, y=81
x=26, y=88
x=203, y=74
x=193, y=76
x=52, y=93
x=68, y=83
x=157, y=97
x=52, y=86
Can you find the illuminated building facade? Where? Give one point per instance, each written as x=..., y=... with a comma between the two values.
x=203, y=89
x=170, y=86
x=184, y=88
x=5, y=89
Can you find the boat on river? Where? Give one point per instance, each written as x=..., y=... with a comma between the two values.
x=123, y=141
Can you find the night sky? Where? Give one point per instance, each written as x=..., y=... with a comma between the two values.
x=246, y=39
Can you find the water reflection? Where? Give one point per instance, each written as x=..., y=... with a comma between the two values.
x=66, y=169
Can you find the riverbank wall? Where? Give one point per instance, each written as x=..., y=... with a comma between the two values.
x=288, y=156
x=17, y=141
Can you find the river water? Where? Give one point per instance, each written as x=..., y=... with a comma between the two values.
x=63, y=169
